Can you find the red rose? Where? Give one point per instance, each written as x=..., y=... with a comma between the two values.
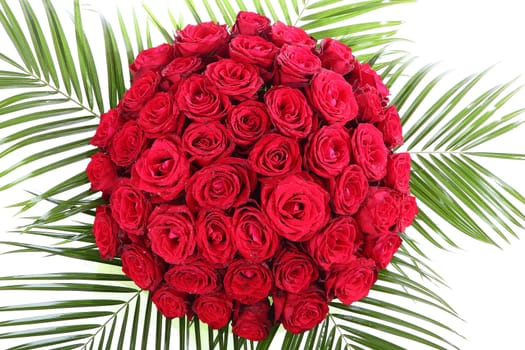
x=370, y=106
x=213, y=309
x=247, y=282
x=296, y=207
x=248, y=121
x=275, y=155
x=152, y=59
x=337, y=244
x=237, y=80
x=181, y=68
x=391, y=128
x=141, y=266
x=249, y=23
x=328, y=151
x=294, y=270
x=333, y=97
x=130, y=208
x=286, y=34
x=160, y=116
x=214, y=237
x=105, y=230
x=380, y=211
x=336, y=56
x=369, y=151
x=201, y=101
x=365, y=76
x=140, y=92
x=398, y=172
x=102, y=173
x=296, y=65
x=301, y=312
x=353, y=282
x=289, y=111
x=222, y=185
x=196, y=276
x=126, y=145
x=110, y=123
x=204, y=39
x=252, y=322
x=172, y=232
x=170, y=302
x=254, y=50
x=382, y=248
x=349, y=190
x=407, y=212
x=207, y=142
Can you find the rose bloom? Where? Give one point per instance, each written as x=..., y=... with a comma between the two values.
x=180, y=68
x=152, y=59
x=252, y=322
x=110, y=123
x=171, y=302
x=380, y=211
x=126, y=145
x=275, y=155
x=247, y=282
x=353, y=282
x=336, y=56
x=213, y=309
x=369, y=151
x=130, y=208
x=205, y=39
x=349, y=190
x=249, y=23
x=140, y=92
x=407, y=212
x=294, y=270
x=141, y=266
x=160, y=116
x=328, y=151
x=102, y=173
x=296, y=65
x=286, y=34
x=105, y=230
x=370, y=106
x=254, y=50
x=398, y=172
x=239, y=81
x=382, y=248
x=390, y=127
x=196, y=276
x=207, y=142
x=248, y=122
x=364, y=76
x=215, y=237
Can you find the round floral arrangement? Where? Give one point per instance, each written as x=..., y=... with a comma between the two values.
x=250, y=176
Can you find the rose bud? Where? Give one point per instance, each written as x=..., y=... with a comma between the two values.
x=336, y=56
x=152, y=59
x=247, y=282
x=110, y=123
x=353, y=282
x=171, y=302
x=249, y=23
x=160, y=116
x=105, y=230
x=382, y=248
x=196, y=276
x=130, y=208
x=215, y=237
x=370, y=106
x=296, y=66
x=349, y=190
x=141, y=266
x=363, y=76
x=205, y=39
x=252, y=322
x=294, y=270
x=398, y=172
x=254, y=50
x=380, y=212
x=140, y=92
x=248, y=122
x=126, y=145
x=213, y=309
x=369, y=151
x=181, y=68
x=286, y=34
x=407, y=212
x=275, y=155
x=102, y=173
x=328, y=151
x=390, y=127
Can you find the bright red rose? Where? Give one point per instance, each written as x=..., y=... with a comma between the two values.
x=254, y=50
x=369, y=151
x=328, y=151
x=196, y=276
x=349, y=190
x=289, y=111
x=207, y=142
x=275, y=155
x=398, y=172
x=253, y=236
x=160, y=116
x=364, y=76
x=286, y=34
x=353, y=282
x=247, y=282
x=102, y=173
x=152, y=59
x=248, y=121
x=296, y=207
x=171, y=231
x=105, y=230
x=294, y=271
x=332, y=97
x=337, y=244
x=296, y=66
x=407, y=212
x=379, y=214
x=110, y=123
x=239, y=81
x=141, y=266
x=204, y=39
x=249, y=23
x=140, y=92
x=126, y=145
x=382, y=248
x=336, y=56
x=370, y=106
x=162, y=170
x=391, y=128
x=170, y=302
x=213, y=309
x=181, y=68
x=130, y=208
x=214, y=237
x=252, y=322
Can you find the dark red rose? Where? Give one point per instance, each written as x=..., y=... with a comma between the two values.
x=337, y=243
x=170, y=302
x=254, y=50
x=130, y=208
x=213, y=309
x=286, y=34
x=370, y=106
x=349, y=190
x=336, y=56
x=140, y=92
x=301, y=312
x=162, y=170
x=160, y=116
x=379, y=214
x=222, y=185
x=328, y=151
x=247, y=282
x=214, y=237
x=253, y=236
x=207, y=142
x=369, y=151
x=171, y=230
x=102, y=173
x=364, y=76
x=152, y=59
x=239, y=81
x=110, y=123
x=353, y=282
x=275, y=155
x=382, y=248
x=391, y=128
x=294, y=271
x=126, y=145
x=296, y=65
x=398, y=172
x=249, y=23
x=141, y=266
x=332, y=97
x=201, y=101
x=252, y=322
x=289, y=111
x=196, y=276
x=248, y=121
x=407, y=212
x=105, y=230
x=296, y=207
x=180, y=68
x=204, y=39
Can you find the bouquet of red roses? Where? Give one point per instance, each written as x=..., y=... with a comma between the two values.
x=250, y=176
